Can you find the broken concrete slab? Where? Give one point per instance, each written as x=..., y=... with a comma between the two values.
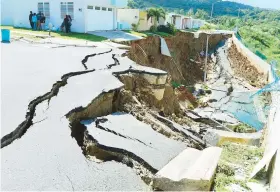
x=191, y=170
x=182, y=130
x=164, y=48
x=123, y=131
x=218, y=137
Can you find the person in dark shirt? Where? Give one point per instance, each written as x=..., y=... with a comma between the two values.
x=70, y=22
x=39, y=21
x=66, y=23
x=43, y=21
x=30, y=19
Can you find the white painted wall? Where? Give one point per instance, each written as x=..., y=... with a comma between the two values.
x=178, y=23
x=197, y=23
x=6, y=9
x=78, y=23
x=16, y=12
x=19, y=13
x=107, y=3
x=127, y=17
x=169, y=19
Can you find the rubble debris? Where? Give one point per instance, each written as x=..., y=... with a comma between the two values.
x=182, y=130
x=243, y=68
x=164, y=48
x=191, y=170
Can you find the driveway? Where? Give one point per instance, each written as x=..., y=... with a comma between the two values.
x=116, y=35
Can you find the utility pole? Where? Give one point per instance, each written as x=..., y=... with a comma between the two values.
x=212, y=10
x=238, y=12
x=206, y=55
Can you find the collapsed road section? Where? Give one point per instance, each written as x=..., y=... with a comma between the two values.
x=120, y=125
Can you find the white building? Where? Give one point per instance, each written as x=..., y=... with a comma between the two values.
x=87, y=15
x=172, y=18
x=181, y=21
x=127, y=17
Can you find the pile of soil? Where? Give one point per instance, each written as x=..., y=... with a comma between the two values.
x=245, y=69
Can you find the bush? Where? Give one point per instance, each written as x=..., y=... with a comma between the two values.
x=135, y=26
x=153, y=29
x=169, y=28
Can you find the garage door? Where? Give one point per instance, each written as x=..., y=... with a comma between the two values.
x=100, y=18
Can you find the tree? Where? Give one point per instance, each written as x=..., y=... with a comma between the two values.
x=190, y=12
x=156, y=14
x=182, y=11
x=201, y=14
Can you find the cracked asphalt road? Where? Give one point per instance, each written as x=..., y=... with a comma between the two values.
x=46, y=157
x=139, y=138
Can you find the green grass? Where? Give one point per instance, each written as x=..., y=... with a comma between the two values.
x=162, y=34
x=190, y=30
x=242, y=128
x=222, y=181
x=148, y=33
x=140, y=34
x=235, y=155
x=72, y=36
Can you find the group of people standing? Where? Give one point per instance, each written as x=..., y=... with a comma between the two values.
x=37, y=21
x=66, y=24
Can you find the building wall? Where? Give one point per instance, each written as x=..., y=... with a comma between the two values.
x=6, y=12
x=178, y=23
x=127, y=17
x=169, y=18
x=107, y=3
x=18, y=16
x=187, y=23
x=16, y=13
x=197, y=23
x=144, y=23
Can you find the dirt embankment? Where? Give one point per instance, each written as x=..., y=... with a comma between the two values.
x=242, y=67
x=186, y=64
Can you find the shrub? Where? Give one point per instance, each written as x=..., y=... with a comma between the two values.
x=153, y=29
x=135, y=26
x=169, y=28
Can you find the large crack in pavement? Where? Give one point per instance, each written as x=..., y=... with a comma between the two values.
x=84, y=61
x=92, y=148
x=28, y=122
x=97, y=124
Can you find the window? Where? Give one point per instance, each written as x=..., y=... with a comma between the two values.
x=110, y=9
x=90, y=7
x=104, y=8
x=97, y=8
x=67, y=8
x=44, y=8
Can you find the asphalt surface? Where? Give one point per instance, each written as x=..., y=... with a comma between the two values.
x=46, y=157
x=138, y=138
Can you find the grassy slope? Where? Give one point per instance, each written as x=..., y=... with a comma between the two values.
x=148, y=33
x=73, y=36
x=236, y=160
